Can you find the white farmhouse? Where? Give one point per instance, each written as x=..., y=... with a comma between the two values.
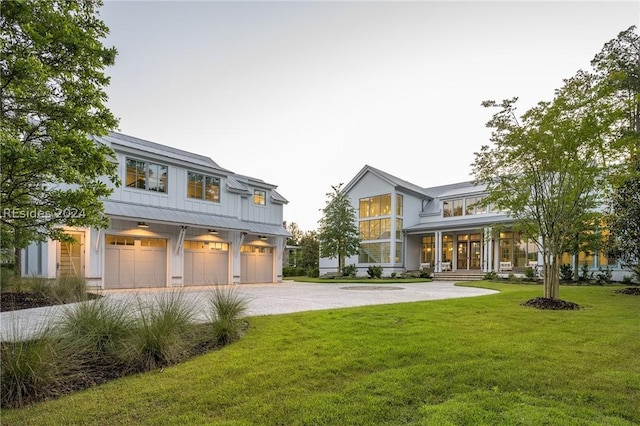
x=405, y=227
x=178, y=219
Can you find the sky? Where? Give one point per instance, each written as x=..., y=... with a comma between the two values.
x=303, y=95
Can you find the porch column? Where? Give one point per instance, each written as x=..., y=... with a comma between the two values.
x=488, y=250
x=438, y=255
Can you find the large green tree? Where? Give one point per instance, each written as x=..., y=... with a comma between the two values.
x=338, y=232
x=309, y=251
x=624, y=222
x=52, y=97
x=551, y=168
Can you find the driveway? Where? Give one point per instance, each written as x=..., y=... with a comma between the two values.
x=263, y=299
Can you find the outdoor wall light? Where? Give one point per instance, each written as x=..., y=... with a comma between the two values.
x=143, y=225
x=263, y=237
x=213, y=232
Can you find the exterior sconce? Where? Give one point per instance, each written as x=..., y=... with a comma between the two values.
x=143, y=225
x=213, y=232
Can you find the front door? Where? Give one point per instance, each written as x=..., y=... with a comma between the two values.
x=462, y=255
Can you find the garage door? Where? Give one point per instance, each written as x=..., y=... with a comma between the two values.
x=134, y=262
x=206, y=263
x=257, y=264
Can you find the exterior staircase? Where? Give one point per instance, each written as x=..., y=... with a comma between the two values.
x=461, y=275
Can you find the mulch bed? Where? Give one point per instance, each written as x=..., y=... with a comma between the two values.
x=635, y=291
x=10, y=301
x=546, y=303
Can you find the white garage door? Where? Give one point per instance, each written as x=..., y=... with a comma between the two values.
x=133, y=262
x=206, y=263
x=257, y=264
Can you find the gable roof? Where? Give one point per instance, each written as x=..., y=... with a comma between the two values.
x=114, y=138
x=391, y=179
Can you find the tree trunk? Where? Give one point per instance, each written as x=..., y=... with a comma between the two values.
x=17, y=262
x=552, y=279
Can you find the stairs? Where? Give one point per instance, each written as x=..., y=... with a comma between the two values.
x=463, y=275
x=66, y=265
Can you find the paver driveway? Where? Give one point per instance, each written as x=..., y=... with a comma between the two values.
x=263, y=299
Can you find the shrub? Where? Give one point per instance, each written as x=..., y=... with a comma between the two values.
x=585, y=275
x=490, y=276
x=374, y=271
x=627, y=279
x=566, y=272
x=529, y=273
x=70, y=290
x=349, y=270
x=313, y=272
x=603, y=276
x=34, y=369
x=161, y=336
x=98, y=328
x=226, y=310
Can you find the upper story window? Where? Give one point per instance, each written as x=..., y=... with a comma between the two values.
x=146, y=175
x=203, y=187
x=473, y=206
x=379, y=205
x=399, y=206
x=452, y=208
x=259, y=197
x=460, y=206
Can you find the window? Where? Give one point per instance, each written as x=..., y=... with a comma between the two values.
x=375, y=253
x=379, y=205
x=447, y=248
x=259, y=197
x=146, y=175
x=203, y=187
x=473, y=206
x=375, y=229
x=452, y=208
x=399, y=206
x=428, y=250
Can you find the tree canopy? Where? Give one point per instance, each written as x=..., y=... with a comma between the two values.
x=549, y=168
x=338, y=232
x=52, y=97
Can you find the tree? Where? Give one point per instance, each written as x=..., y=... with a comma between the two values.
x=309, y=251
x=296, y=234
x=51, y=99
x=550, y=169
x=624, y=221
x=338, y=232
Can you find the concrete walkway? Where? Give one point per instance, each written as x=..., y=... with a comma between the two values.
x=263, y=299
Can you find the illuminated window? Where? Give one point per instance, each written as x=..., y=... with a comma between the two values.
x=259, y=197
x=203, y=187
x=375, y=253
x=428, y=250
x=146, y=175
x=399, y=205
x=447, y=248
x=379, y=205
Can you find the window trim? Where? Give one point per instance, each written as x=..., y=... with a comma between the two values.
x=261, y=200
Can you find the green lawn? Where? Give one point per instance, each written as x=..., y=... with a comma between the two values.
x=484, y=360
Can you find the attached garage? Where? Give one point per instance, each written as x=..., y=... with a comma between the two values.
x=257, y=264
x=135, y=262
x=206, y=263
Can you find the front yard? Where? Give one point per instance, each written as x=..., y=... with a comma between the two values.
x=482, y=360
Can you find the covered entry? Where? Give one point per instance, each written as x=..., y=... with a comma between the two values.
x=206, y=263
x=257, y=264
x=134, y=262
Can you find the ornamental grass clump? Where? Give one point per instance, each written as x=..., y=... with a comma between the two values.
x=99, y=329
x=34, y=369
x=163, y=333
x=227, y=308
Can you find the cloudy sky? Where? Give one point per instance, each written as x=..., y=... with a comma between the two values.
x=305, y=94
